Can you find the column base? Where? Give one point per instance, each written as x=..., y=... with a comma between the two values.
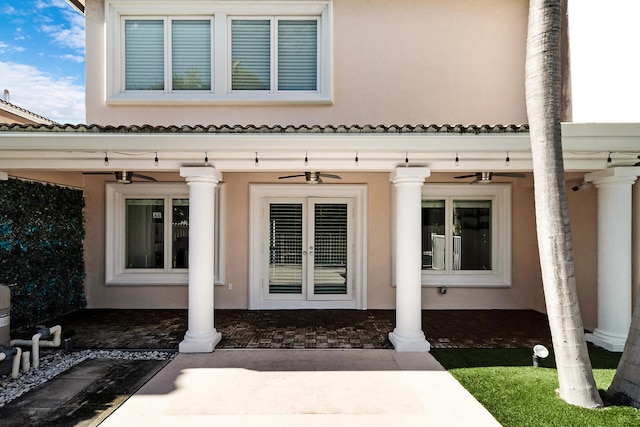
x=204, y=344
x=607, y=341
x=406, y=343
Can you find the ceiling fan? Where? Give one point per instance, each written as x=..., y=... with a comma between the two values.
x=124, y=177
x=313, y=177
x=485, y=177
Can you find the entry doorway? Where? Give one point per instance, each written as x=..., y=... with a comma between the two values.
x=307, y=247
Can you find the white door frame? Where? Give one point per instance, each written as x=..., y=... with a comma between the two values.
x=258, y=192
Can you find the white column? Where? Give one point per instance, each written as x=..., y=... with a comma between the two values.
x=407, y=244
x=201, y=336
x=614, y=255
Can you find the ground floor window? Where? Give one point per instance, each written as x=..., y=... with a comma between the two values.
x=466, y=235
x=147, y=233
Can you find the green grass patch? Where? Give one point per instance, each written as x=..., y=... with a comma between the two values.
x=517, y=394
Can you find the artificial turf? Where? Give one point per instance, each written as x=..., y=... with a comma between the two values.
x=517, y=394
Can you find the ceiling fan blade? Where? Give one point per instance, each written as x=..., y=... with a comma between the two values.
x=329, y=175
x=466, y=176
x=290, y=176
x=510, y=174
x=148, y=178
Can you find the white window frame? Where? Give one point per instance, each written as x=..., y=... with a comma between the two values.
x=500, y=274
x=115, y=206
x=117, y=11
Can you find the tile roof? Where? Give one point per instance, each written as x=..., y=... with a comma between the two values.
x=14, y=109
x=252, y=129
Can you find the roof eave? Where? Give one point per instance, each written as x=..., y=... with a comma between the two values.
x=77, y=5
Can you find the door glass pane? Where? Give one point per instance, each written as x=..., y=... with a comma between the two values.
x=433, y=237
x=297, y=54
x=285, y=248
x=180, y=234
x=330, y=249
x=472, y=235
x=191, y=54
x=144, y=55
x=250, y=54
x=144, y=235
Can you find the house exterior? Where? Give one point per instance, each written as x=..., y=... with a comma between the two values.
x=296, y=154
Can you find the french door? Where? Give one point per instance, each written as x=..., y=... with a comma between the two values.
x=307, y=249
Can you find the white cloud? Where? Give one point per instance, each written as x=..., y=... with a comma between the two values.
x=71, y=36
x=8, y=48
x=56, y=98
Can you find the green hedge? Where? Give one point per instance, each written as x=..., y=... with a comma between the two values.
x=41, y=250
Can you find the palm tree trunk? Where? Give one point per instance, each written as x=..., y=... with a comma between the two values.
x=543, y=97
x=625, y=387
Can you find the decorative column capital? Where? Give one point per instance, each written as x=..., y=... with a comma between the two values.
x=615, y=175
x=404, y=174
x=201, y=174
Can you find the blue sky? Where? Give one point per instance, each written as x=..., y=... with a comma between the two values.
x=42, y=58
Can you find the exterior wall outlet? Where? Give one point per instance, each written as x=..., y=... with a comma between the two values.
x=230, y=286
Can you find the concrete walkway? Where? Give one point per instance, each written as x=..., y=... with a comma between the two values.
x=302, y=387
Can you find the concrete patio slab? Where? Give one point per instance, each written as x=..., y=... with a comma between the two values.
x=302, y=387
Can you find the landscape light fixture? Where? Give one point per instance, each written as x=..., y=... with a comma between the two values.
x=539, y=352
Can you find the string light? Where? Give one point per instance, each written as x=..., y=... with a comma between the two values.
x=406, y=159
x=106, y=159
x=206, y=159
x=156, y=161
x=609, y=157
x=356, y=160
x=306, y=159
x=507, y=159
x=457, y=160
x=257, y=161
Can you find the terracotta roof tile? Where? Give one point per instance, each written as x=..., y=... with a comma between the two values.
x=253, y=129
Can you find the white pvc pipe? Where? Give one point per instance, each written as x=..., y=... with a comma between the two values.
x=35, y=343
x=25, y=361
x=15, y=367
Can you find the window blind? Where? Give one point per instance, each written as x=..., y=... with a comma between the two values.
x=330, y=258
x=297, y=54
x=250, y=54
x=144, y=55
x=191, y=54
x=285, y=248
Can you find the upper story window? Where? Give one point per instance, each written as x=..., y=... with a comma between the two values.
x=218, y=52
x=466, y=235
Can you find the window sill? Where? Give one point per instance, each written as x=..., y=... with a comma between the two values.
x=210, y=99
x=465, y=280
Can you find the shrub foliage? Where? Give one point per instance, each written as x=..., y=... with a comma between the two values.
x=41, y=250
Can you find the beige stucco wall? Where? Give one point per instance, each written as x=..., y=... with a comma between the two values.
x=410, y=61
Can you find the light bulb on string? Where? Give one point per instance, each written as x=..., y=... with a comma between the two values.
x=257, y=161
x=106, y=159
x=306, y=159
x=206, y=159
x=507, y=160
x=156, y=161
x=356, y=160
x=457, y=160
